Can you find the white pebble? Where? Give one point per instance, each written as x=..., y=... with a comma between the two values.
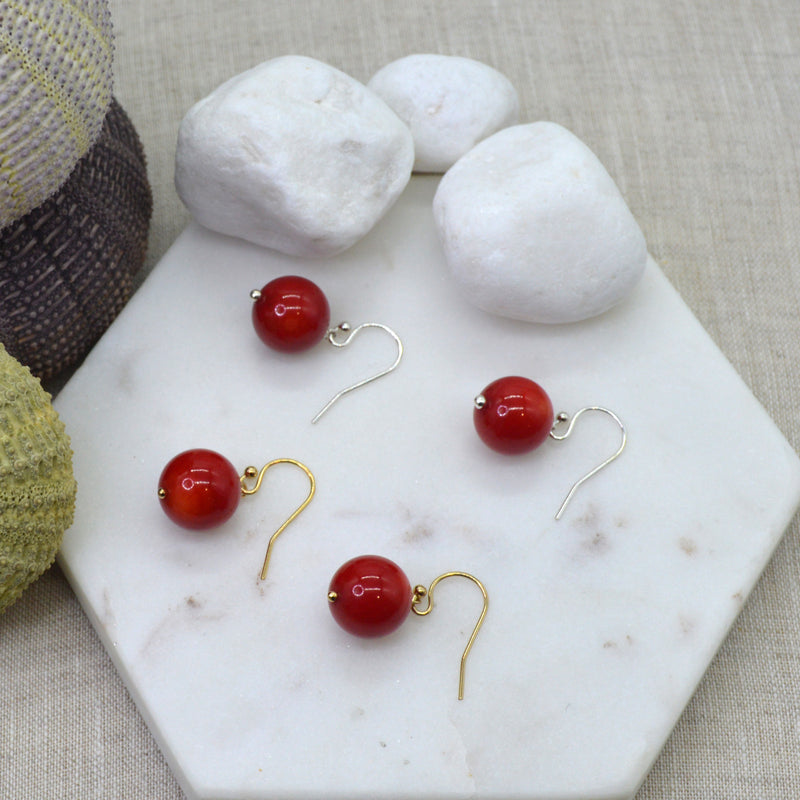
x=534, y=228
x=293, y=155
x=449, y=103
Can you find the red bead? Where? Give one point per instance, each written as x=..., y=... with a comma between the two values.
x=369, y=596
x=199, y=489
x=291, y=314
x=513, y=415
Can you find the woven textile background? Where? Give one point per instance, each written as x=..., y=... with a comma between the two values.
x=694, y=108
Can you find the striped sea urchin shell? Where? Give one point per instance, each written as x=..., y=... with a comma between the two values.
x=37, y=486
x=67, y=268
x=55, y=87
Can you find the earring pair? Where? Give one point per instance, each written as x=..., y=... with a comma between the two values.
x=369, y=596
x=512, y=415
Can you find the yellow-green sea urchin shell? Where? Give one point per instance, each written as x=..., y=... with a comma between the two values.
x=37, y=485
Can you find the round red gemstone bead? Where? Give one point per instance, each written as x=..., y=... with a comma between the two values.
x=369, y=596
x=291, y=314
x=199, y=489
x=513, y=415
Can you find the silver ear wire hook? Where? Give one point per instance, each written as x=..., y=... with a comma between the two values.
x=334, y=336
x=561, y=418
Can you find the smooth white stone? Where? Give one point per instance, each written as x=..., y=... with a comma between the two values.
x=599, y=625
x=534, y=228
x=293, y=155
x=450, y=103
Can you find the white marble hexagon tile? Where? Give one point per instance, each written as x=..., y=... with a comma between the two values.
x=600, y=625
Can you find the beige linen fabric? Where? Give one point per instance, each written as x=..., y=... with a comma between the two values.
x=694, y=108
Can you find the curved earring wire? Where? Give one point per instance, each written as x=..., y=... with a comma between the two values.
x=251, y=473
x=333, y=336
x=562, y=417
x=421, y=591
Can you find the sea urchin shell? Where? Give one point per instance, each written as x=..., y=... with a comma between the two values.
x=67, y=267
x=56, y=75
x=37, y=485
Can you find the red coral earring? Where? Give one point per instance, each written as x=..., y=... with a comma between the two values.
x=514, y=415
x=292, y=314
x=200, y=489
x=371, y=596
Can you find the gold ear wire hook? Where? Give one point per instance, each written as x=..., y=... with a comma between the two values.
x=562, y=417
x=420, y=592
x=333, y=337
x=251, y=473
